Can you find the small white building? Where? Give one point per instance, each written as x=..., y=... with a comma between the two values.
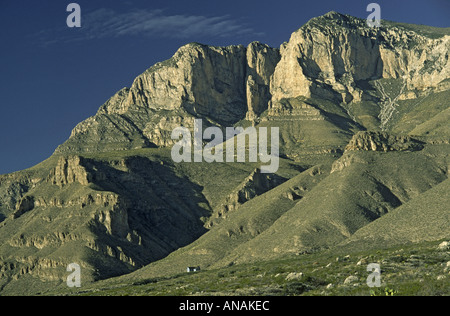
x=193, y=269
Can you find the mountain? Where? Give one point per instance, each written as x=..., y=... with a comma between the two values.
x=408, y=223
x=364, y=146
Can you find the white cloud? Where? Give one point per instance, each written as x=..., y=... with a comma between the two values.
x=107, y=23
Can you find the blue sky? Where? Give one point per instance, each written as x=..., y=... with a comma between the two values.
x=53, y=77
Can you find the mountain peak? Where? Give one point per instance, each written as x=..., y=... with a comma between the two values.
x=333, y=57
x=341, y=94
x=334, y=15
x=335, y=19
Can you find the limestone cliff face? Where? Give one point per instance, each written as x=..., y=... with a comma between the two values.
x=329, y=56
x=69, y=170
x=204, y=80
x=223, y=85
x=332, y=57
x=216, y=82
x=261, y=63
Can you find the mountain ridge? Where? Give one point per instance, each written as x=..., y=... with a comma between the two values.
x=361, y=114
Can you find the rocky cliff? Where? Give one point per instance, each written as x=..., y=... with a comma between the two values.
x=223, y=85
x=333, y=55
x=362, y=118
x=367, y=74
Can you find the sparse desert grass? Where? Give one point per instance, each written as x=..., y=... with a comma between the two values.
x=412, y=270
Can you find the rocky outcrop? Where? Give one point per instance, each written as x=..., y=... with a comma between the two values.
x=261, y=63
x=329, y=55
x=161, y=130
x=294, y=109
x=69, y=170
x=114, y=219
x=53, y=239
x=384, y=142
x=12, y=188
x=223, y=85
x=348, y=159
x=104, y=199
x=26, y=204
x=204, y=80
x=41, y=268
x=255, y=184
x=374, y=141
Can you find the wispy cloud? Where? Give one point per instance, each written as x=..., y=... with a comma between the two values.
x=107, y=23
